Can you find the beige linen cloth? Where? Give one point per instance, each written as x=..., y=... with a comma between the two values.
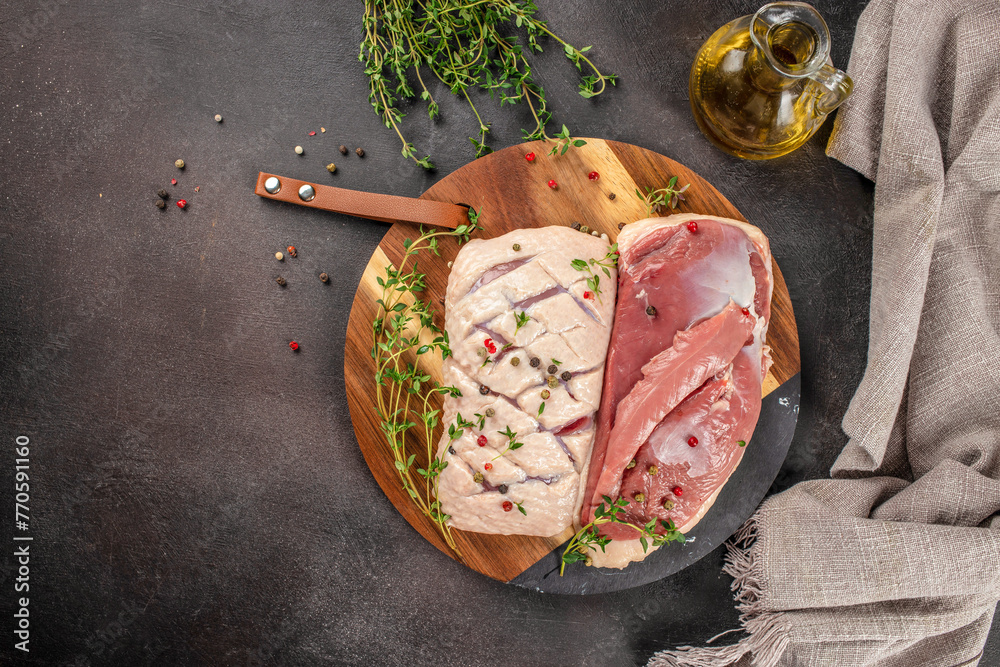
x=896, y=560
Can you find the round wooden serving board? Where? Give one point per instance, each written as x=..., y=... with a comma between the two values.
x=512, y=193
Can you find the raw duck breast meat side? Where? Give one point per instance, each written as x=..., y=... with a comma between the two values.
x=685, y=367
x=493, y=284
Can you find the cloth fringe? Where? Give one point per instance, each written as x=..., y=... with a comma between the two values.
x=767, y=632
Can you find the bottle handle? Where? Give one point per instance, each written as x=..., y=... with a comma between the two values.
x=833, y=87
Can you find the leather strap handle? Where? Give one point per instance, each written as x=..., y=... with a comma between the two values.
x=384, y=208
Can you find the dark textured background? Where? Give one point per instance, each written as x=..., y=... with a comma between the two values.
x=197, y=493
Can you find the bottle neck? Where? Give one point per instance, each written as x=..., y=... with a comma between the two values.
x=763, y=76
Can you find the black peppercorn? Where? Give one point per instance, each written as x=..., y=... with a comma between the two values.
x=566, y=375
x=451, y=450
x=160, y=204
x=535, y=362
x=621, y=226
x=650, y=311
x=360, y=152
x=552, y=369
x=484, y=390
x=575, y=225
x=343, y=150
x=280, y=281
x=162, y=194
x=325, y=278
x=502, y=488
x=612, y=196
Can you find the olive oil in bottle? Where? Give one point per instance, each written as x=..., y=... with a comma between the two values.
x=762, y=84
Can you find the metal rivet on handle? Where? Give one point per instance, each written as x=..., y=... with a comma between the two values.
x=306, y=192
x=272, y=185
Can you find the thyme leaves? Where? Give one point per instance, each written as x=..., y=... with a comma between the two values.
x=589, y=537
x=465, y=45
x=403, y=331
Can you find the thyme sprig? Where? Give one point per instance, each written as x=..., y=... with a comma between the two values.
x=460, y=43
x=403, y=331
x=512, y=442
x=520, y=319
x=605, y=264
x=564, y=141
x=658, y=199
x=589, y=537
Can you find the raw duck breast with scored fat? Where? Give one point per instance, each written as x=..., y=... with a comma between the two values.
x=529, y=338
x=687, y=359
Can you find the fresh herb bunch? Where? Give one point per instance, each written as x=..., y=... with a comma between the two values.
x=657, y=199
x=460, y=42
x=589, y=537
x=402, y=332
x=605, y=264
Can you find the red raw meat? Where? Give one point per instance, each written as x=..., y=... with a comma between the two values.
x=687, y=359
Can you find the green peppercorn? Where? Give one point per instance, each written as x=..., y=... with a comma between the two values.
x=668, y=504
x=741, y=443
x=553, y=381
x=478, y=478
x=552, y=369
x=515, y=361
x=516, y=247
x=585, y=229
x=545, y=394
x=653, y=470
x=640, y=497
x=490, y=412
x=631, y=464
x=566, y=376
x=179, y=164
x=481, y=352
x=535, y=362
x=331, y=167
